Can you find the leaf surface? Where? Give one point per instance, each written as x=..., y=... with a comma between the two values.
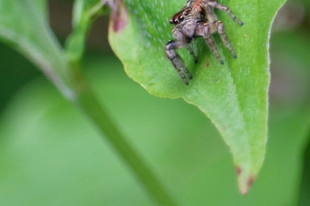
x=234, y=95
x=24, y=25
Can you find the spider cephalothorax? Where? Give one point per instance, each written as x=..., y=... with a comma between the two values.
x=197, y=19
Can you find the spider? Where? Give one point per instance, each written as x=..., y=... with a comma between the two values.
x=197, y=19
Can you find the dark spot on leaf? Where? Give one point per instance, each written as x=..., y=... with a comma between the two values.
x=251, y=181
x=238, y=170
x=119, y=16
x=249, y=184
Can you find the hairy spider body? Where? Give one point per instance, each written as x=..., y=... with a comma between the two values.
x=197, y=19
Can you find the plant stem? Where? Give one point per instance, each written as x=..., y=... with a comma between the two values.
x=88, y=103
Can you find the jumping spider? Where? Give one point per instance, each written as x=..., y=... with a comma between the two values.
x=197, y=19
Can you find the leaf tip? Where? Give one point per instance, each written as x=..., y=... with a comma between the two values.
x=245, y=180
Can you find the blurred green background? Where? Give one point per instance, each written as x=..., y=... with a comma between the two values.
x=51, y=155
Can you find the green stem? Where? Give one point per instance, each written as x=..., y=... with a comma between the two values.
x=87, y=102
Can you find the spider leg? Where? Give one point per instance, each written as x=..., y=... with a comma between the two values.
x=203, y=29
x=211, y=43
x=227, y=10
x=189, y=3
x=176, y=60
x=221, y=31
x=192, y=48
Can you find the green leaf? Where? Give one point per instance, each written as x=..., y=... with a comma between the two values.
x=234, y=95
x=23, y=24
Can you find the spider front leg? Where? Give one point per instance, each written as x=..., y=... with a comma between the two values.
x=227, y=10
x=204, y=29
x=176, y=60
x=189, y=3
x=221, y=30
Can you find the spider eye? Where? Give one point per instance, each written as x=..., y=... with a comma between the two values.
x=185, y=13
x=181, y=18
x=175, y=21
x=171, y=21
